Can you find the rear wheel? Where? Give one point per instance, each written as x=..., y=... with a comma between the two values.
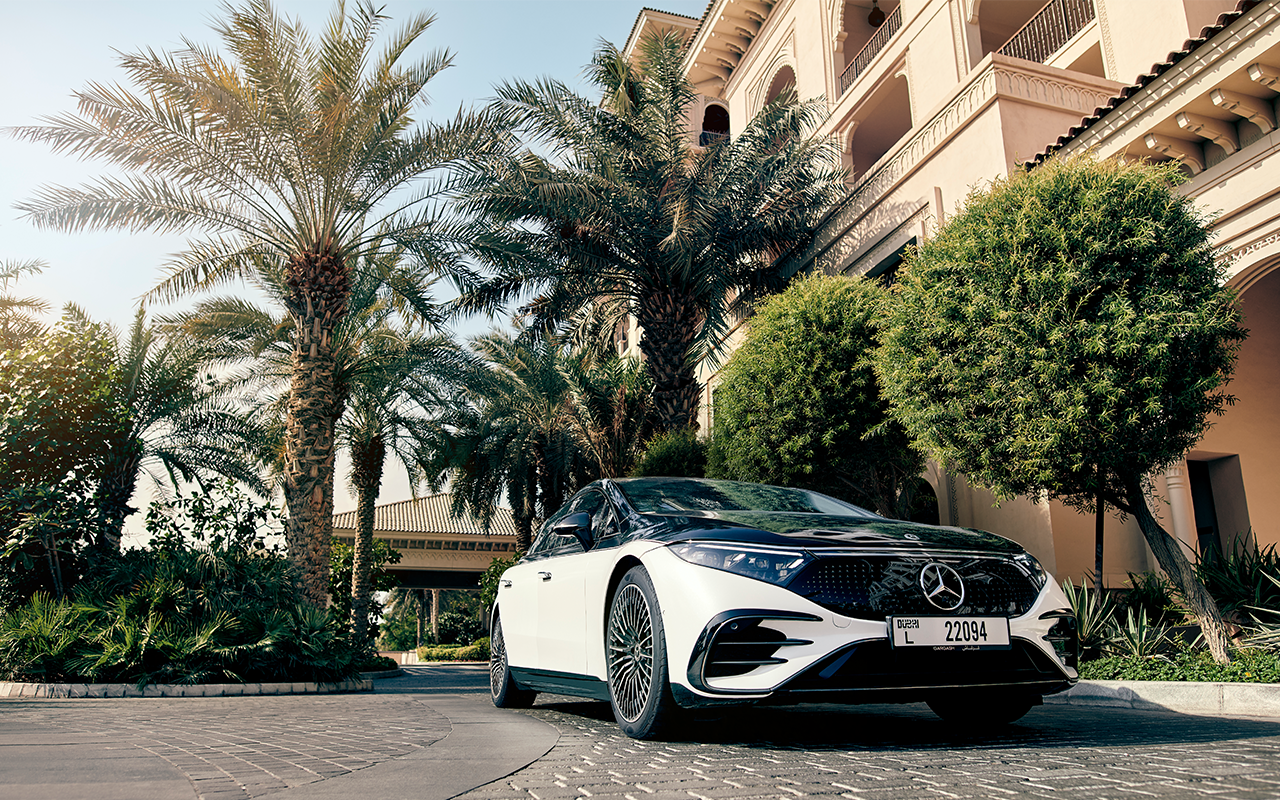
x=982, y=709
x=637, y=657
x=502, y=688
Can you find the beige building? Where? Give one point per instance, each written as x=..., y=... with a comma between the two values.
x=929, y=98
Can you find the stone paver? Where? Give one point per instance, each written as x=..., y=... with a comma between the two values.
x=900, y=753
x=244, y=747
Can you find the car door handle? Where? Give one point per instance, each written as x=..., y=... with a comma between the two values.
x=546, y=576
x=506, y=584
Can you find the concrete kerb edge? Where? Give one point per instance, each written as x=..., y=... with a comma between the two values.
x=99, y=690
x=1184, y=697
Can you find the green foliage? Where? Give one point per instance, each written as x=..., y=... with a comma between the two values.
x=18, y=323
x=1245, y=581
x=476, y=651
x=378, y=664
x=1068, y=322
x=490, y=577
x=1248, y=665
x=1095, y=618
x=677, y=453
x=1136, y=637
x=208, y=602
x=341, y=556
x=799, y=404
x=1153, y=594
x=457, y=627
x=399, y=630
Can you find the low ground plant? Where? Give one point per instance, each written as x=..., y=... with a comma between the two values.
x=476, y=651
x=1248, y=665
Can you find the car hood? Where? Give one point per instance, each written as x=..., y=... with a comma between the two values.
x=821, y=531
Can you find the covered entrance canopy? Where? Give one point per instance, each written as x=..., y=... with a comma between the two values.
x=438, y=549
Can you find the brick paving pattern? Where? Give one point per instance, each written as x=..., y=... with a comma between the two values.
x=899, y=753
x=246, y=747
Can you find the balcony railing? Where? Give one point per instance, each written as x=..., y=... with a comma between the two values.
x=1051, y=28
x=871, y=49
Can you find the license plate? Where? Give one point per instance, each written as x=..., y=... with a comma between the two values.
x=950, y=633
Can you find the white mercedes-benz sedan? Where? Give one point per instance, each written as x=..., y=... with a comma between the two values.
x=662, y=594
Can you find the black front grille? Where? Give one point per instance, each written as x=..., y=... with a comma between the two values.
x=875, y=587
x=742, y=645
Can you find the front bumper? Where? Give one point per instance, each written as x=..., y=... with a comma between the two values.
x=733, y=639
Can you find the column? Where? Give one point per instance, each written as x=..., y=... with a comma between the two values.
x=1182, y=515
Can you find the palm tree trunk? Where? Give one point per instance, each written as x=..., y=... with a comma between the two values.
x=318, y=292
x=670, y=323
x=1171, y=559
x=422, y=615
x=366, y=473
x=115, y=490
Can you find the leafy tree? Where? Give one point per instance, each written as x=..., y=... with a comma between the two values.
x=675, y=453
x=798, y=403
x=288, y=152
x=342, y=578
x=628, y=213
x=1068, y=333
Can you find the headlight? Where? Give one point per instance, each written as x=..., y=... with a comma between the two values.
x=762, y=563
x=1032, y=567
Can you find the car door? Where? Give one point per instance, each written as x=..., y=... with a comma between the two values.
x=562, y=604
x=518, y=603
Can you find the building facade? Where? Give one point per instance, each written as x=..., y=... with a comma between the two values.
x=929, y=99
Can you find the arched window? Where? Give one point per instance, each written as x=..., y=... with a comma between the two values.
x=715, y=125
x=785, y=79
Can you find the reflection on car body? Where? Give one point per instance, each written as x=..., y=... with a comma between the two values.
x=660, y=594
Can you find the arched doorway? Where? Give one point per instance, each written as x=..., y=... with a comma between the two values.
x=715, y=124
x=783, y=80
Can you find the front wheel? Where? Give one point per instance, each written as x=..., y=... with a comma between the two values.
x=505, y=692
x=982, y=709
x=637, y=657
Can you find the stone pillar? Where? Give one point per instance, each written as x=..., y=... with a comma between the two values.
x=1182, y=515
x=422, y=615
x=435, y=615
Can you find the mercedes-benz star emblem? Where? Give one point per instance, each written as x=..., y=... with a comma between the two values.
x=942, y=586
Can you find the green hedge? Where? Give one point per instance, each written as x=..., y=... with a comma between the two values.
x=1247, y=666
x=476, y=651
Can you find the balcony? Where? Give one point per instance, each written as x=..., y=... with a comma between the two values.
x=871, y=49
x=1051, y=28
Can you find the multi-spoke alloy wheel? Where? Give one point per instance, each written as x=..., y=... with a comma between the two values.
x=637, y=660
x=505, y=692
x=631, y=652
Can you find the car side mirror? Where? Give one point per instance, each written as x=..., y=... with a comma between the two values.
x=577, y=525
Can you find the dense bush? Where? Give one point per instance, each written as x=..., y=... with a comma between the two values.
x=476, y=651
x=207, y=603
x=800, y=405
x=457, y=627
x=677, y=453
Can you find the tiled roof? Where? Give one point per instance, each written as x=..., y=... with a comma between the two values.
x=635, y=25
x=1188, y=47
x=430, y=514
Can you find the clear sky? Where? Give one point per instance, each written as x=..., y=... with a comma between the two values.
x=53, y=47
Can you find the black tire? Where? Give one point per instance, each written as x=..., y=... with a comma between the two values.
x=503, y=690
x=982, y=710
x=636, y=652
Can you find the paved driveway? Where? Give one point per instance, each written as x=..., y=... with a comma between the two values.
x=434, y=735
x=901, y=752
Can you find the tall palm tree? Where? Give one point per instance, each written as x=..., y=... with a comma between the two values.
x=287, y=149
x=388, y=365
x=512, y=437
x=611, y=403
x=628, y=207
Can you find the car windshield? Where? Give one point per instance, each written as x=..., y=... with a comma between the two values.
x=691, y=495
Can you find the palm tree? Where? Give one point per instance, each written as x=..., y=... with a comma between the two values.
x=512, y=436
x=629, y=208
x=387, y=366
x=175, y=426
x=287, y=150
x=611, y=404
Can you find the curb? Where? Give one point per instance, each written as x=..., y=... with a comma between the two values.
x=77, y=690
x=379, y=675
x=1183, y=697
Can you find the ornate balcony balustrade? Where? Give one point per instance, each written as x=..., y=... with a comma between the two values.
x=1051, y=28
x=871, y=49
